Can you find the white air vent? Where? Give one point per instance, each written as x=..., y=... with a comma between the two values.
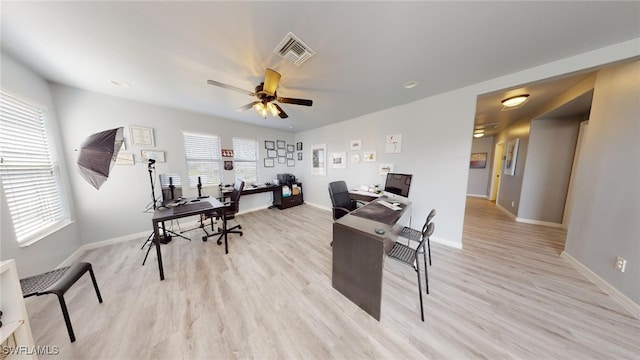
x=294, y=50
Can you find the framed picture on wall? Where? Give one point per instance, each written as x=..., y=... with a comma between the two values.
x=512, y=156
x=290, y=148
x=141, y=136
x=269, y=145
x=319, y=160
x=272, y=154
x=478, y=161
x=269, y=162
x=281, y=144
x=282, y=160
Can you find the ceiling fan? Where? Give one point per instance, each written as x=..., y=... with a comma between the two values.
x=266, y=94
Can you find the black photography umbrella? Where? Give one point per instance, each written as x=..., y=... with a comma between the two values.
x=98, y=154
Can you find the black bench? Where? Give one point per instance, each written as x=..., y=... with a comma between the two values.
x=58, y=282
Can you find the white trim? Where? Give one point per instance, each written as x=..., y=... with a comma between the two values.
x=621, y=298
x=445, y=242
x=319, y=206
x=505, y=211
x=539, y=222
x=478, y=196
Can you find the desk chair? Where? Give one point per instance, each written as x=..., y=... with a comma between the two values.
x=415, y=235
x=341, y=202
x=409, y=256
x=231, y=209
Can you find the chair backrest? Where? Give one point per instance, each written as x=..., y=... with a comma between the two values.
x=429, y=218
x=238, y=186
x=339, y=194
x=426, y=234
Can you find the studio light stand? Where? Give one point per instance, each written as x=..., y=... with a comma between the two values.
x=202, y=216
x=164, y=239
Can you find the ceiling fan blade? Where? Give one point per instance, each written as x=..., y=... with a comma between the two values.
x=282, y=114
x=230, y=87
x=304, y=102
x=247, y=107
x=271, y=81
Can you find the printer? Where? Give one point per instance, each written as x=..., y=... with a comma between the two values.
x=286, y=179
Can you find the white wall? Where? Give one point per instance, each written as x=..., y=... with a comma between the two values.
x=50, y=251
x=604, y=222
x=116, y=209
x=479, y=178
x=436, y=144
x=552, y=145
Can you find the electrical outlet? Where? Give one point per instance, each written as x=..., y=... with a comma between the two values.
x=620, y=264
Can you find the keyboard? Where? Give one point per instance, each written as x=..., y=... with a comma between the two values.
x=389, y=205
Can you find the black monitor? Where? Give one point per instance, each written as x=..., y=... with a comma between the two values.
x=397, y=184
x=171, y=186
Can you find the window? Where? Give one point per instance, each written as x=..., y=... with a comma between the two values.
x=202, y=154
x=245, y=156
x=29, y=170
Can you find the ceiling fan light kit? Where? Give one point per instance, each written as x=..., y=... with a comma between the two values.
x=266, y=94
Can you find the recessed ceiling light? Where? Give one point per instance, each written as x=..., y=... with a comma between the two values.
x=478, y=135
x=515, y=100
x=290, y=126
x=410, y=84
x=119, y=83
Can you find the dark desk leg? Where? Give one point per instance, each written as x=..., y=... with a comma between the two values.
x=156, y=238
x=224, y=229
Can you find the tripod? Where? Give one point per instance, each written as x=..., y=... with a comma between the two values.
x=165, y=238
x=202, y=216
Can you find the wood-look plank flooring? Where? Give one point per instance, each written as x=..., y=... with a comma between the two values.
x=507, y=295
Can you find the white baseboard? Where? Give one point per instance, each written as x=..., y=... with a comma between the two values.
x=445, y=242
x=478, y=196
x=321, y=207
x=98, y=244
x=621, y=298
x=505, y=211
x=539, y=222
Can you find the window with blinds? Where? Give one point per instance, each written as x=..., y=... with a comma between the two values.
x=29, y=171
x=202, y=154
x=245, y=156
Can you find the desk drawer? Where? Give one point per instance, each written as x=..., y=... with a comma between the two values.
x=290, y=201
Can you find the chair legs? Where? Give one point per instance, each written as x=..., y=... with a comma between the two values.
x=429, y=249
x=420, y=291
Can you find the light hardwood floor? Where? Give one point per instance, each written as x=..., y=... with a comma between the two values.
x=507, y=295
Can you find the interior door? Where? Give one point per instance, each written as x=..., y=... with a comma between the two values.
x=497, y=169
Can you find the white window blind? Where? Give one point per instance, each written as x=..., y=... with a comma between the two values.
x=202, y=154
x=245, y=156
x=29, y=171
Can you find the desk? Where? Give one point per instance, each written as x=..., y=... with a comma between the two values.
x=278, y=200
x=202, y=206
x=359, y=252
x=363, y=195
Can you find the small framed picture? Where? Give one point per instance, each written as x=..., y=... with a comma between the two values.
x=272, y=153
x=227, y=152
x=299, y=146
x=282, y=152
x=281, y=144
x=370, y=156
x=141, y=136
x=291, y=162
x=282, y=160
x=158, y=156
x=269, y=145
x=228, y=165
x=125, y=159
x=289, y=155
x=356, y=144
x=269, y=162
x=299, y=156
x=290, y=148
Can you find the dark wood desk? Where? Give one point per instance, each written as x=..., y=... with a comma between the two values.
x=363, y=196
x=359, y=252
x=191, y=208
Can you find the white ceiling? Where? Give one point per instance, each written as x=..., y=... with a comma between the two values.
x=365, y=51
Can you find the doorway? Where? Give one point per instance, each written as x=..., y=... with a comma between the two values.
x=495, y=173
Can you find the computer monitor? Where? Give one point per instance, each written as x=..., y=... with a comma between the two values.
x=397, y=185
x=171, y=186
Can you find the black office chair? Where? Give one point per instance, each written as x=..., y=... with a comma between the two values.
x=415, y=235
x=341, y=202
x=231, y=209
x=409, y=256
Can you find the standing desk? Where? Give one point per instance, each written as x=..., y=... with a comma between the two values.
x=359, y=252
x=193, y=206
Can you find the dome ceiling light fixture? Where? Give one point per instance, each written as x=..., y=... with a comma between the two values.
x=515, y=100
x=478, y=133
